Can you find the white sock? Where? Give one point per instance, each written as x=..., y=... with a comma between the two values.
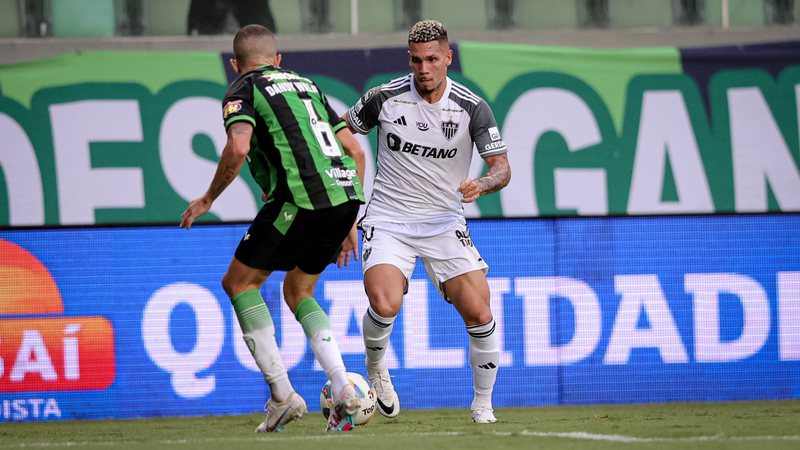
x=264, y=348
x=317, y=327
x=323, y=343
x=258, y=332
x=376, y=330
x=484, y=358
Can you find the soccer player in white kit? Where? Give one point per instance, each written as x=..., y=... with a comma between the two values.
x=427, y=128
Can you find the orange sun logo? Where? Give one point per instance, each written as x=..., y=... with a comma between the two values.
x=40, y=352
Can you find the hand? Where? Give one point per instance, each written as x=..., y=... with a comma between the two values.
x=350, y=245
x=264, y=197
x=197, y=208
x=470, y=190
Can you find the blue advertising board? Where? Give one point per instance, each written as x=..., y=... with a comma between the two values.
x=133, y=322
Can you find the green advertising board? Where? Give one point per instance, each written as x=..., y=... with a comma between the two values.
x=131, y=137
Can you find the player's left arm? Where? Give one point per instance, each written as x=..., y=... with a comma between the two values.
x=496, y=178
x=486, y=136
x=353, y=149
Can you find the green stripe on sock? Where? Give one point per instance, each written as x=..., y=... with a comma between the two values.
x=251, y=311
x=311, y=316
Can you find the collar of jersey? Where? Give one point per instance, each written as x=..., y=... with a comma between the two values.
x=424, y=102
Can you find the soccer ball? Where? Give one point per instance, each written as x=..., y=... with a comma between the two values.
x=363, y=389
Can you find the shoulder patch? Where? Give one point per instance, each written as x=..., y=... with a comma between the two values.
x=368, y=95
x=231, y=107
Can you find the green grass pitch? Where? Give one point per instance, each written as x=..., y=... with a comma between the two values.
x=730, y=425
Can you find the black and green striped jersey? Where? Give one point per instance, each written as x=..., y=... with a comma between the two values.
x=294, y=155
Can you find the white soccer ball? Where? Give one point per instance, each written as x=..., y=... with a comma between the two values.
x=363, y=389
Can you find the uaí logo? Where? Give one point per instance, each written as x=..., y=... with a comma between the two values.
x=43, y=350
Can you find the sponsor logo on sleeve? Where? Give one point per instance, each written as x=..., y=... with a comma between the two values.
x=358, y=106
x=494, y=133
x=494, y=145
x=231, y=107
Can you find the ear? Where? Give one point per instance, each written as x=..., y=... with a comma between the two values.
x=449, y=57
x=278, y=59
x=234, y=64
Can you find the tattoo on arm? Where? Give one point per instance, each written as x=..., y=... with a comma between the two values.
x=497, y=177
x=232, y=159
x=226, y=174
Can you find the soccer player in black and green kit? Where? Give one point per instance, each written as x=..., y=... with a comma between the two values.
x=293, y=141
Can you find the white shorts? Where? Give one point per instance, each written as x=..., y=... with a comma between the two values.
x=445, y=255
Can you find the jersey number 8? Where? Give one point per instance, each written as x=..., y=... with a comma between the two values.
x=323, y=132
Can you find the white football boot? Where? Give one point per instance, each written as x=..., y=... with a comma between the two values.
x=279, y=414
x=483, y=415
x=388, y=402
x=341, y=415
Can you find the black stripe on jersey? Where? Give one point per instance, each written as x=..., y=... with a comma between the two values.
x=394, y=91
x=335, y=160
x=265, y=140
x=462, y=92
x=317, y=193
x=462, y=102
x=396, y=83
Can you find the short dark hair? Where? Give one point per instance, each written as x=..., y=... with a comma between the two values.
x=243, y=51
x=427, y=31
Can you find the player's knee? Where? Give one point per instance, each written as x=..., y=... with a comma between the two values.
x=484, y=317
x=228, y=285
x=476, y=316
x=293, y=296
x=385, y=310
x=384, y=303
x=233, y=285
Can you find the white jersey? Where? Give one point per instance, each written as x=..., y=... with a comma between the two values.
x=424, y=152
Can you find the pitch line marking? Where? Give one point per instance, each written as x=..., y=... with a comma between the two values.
x=582, y=435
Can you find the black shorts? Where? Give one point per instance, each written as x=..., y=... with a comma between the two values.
x=283, y=236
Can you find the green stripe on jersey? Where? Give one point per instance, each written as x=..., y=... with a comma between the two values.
x=247, y=119
x=285, y=150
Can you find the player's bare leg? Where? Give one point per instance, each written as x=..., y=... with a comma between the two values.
x=385, y=285
x=469, y=293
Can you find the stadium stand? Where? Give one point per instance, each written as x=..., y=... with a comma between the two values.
x=322, y=24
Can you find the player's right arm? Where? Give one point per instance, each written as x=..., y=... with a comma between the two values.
x=230, y=164
x=238, y=115
x=363, y=116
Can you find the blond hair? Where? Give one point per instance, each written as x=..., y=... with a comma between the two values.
x=427, y=31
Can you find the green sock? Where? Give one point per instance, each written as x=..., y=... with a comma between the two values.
x=251, y=311
x=311, y=316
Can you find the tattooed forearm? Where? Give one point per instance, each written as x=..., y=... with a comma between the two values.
x=497, y=177
x=226, y=173
x=232, y=158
